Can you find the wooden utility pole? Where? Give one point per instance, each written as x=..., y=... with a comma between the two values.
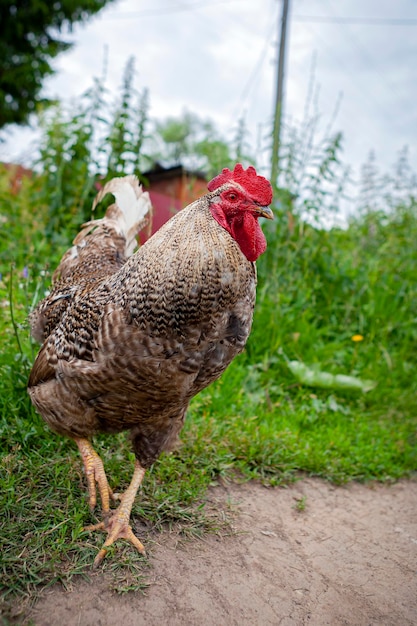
x=279, y=96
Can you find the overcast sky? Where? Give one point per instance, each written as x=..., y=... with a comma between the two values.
x=217, y=58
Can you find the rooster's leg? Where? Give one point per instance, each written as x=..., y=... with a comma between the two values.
x=117, y=525
x=94, y=471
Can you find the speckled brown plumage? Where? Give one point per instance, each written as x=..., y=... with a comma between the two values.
x=100, y=249
x=130, y=351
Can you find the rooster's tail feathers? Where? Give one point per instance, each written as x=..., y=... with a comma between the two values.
x=99, y=250
x=131, y=212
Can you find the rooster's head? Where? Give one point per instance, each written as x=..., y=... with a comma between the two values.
x=237, y=200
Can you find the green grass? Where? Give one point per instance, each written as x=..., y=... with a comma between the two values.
x=316, y=290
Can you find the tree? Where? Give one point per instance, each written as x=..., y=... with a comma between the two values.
x=29, y=40
x=197, y=144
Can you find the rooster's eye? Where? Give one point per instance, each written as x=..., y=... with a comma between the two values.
x=233, y=196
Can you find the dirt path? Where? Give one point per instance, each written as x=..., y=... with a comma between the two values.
x=349, y=558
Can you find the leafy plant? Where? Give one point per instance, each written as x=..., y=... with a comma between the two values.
x=30, y=39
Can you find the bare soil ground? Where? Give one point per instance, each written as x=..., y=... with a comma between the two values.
x=350, y=557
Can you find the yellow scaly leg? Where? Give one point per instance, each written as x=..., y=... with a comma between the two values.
x=117, y=525
x=94, y=472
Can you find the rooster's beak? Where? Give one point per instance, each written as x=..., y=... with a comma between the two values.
x=265, y=211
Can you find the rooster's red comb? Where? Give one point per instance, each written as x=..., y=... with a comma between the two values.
x=258, y=187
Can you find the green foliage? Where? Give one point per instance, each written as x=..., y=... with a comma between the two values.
x=86, y=143
x=197, y=144
x=385, y=192
x=312, y=179
x=66, y=162
x=127, y=132
x=318, y=290
x=29, y=40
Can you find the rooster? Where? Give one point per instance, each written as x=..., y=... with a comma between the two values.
x=128, y=343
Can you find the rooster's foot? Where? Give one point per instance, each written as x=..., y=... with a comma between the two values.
x=117, y=528
x=117, y=524
x=94, y=471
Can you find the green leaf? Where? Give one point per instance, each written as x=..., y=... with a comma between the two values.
x=313, y=377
